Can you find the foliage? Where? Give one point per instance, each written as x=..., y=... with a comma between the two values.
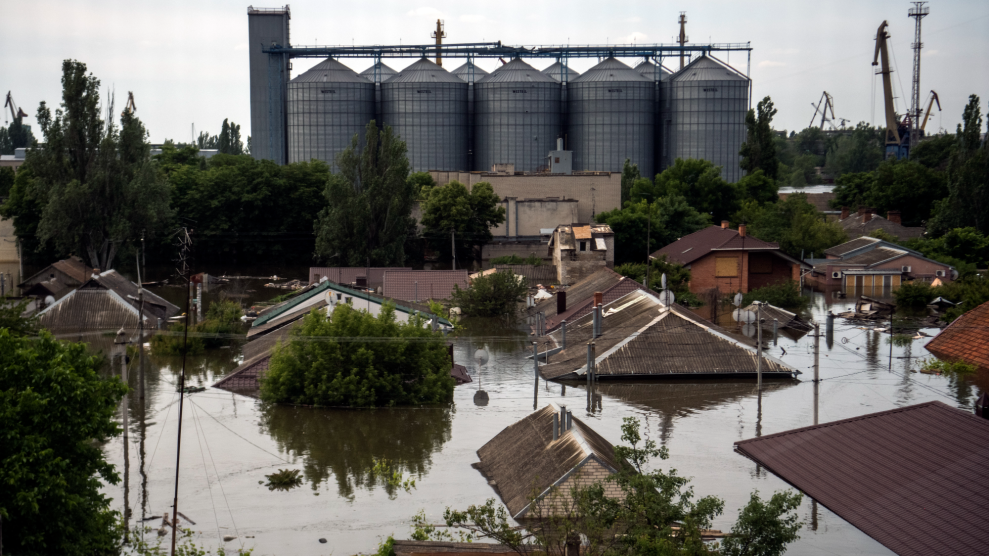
x=144, y=544
x=785, y=295
x=386, y=548
x=948, y=367
x=656, y=513
x=882, y=234
x=668, y=218
x=469, y=214
x=368, y=211
x=794, y=223
x=394, y=478
x=492, y=295
x=967, y=202
x=12, y=317
x=24, y=205
x=967, y=293
x=222, y=320
x=859, y=151
x=7, y=177
x=16, y=136
x=914, y=295
x=757, y=186
x=630, y=173
x=435, y=307
x=934, y=152
x=229, y=140
x=359, y=360
x=677, y=277
x=284, y=479
x=172, y=341
x=515, y=259
x=421, y=183
x=699, y=182
x=56, y=412
x=903, y=185
x=964, y=248
x=759, y=149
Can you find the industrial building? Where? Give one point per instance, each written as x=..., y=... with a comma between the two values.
x=469, y=120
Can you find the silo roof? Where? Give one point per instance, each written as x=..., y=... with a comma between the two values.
x=610, y=69
x=554, y=72
x=424, y=71
x=707, y=68
x=329, y=71
x=463, y=72
x=647, y=69
x=383, y=70
x=517, y=71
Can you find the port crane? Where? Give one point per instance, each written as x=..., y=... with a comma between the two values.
x=823, y=106
x=15, y=112
x=897, y=131
x=930, y=104
x=131, y=107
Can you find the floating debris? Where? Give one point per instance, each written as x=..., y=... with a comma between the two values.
x=191, y=389
x=284, y=479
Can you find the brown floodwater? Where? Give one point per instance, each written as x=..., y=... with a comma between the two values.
x=230, y=442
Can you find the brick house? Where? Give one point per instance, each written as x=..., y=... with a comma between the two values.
x=964, y=339
x=866, y=221
x=731, y=261
x=580, y=250
x=869, y=262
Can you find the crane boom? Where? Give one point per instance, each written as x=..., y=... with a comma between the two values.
x=923, y=123
x=823, y=106
x=15, y=112
x=894, y=144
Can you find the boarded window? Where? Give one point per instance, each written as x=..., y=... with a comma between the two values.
x=760, y=263
x=726, y=267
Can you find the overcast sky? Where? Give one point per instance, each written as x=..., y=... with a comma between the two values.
x=186, y=61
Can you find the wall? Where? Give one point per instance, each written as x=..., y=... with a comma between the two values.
x=525, y=217
x=588, y=474
x=10, y=261
x=781, y=271
x=703, y=276
x=269, y=82
x=920, y=269
x=502, y=247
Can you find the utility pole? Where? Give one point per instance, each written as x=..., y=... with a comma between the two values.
x=439, y=34
x=140, y=333
x=758, y=347
x=185, y=244
x=682, y=39
x=919, y=11
x=535, y=372
x=453, y=249
x=817, y=366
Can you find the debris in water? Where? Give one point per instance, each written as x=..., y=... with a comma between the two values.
x=284, y=479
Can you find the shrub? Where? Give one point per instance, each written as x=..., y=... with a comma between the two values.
x=677, y=278
x=948, y=367
x=222, y=319
x=354, y=359
x=914, y=295
x=515, y=259
x=495, y=295
x=785, y=295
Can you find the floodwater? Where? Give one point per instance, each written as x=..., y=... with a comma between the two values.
x=230, y=442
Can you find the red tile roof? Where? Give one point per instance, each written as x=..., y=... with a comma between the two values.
x=965, y=339
x=694, y=246
x=420, y=285
x=913, y=478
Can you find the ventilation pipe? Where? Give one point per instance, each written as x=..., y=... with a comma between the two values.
x=563, y=419
x=559, y=143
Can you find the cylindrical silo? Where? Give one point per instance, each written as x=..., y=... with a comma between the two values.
x=611, y=118
x=707, y=114
x=378, y=73
x=427, y=107
x=327, y=105
x=657, y=74
x=557, y=72
x=469, y=73
x=517, y=117
x=560, y=73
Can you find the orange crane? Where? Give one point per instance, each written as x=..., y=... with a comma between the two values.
x=131, y=107
x=930, y=104
x=897, y=144
x=15, y=112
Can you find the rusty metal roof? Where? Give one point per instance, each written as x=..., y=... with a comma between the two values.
x=965, y=339
x=420, y=285
x=642, y=338
x=524, y=458
x=912, y=478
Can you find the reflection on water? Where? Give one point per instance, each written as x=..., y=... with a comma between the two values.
x=345, y=442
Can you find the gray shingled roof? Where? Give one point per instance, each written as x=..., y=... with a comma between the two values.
x=153, y=303
x=854, y=226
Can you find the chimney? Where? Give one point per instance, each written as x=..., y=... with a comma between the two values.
x=563, y=419
x=862, y=209
x=598, y=298
x=569, y=419
x=894, y=216
x=724, y=224
x=741, y=230
x=844, y=213
x=561, y=303
x=556, y=426
x=867, y=215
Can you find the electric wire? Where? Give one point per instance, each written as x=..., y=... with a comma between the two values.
x=218, y=480
x=202, y=455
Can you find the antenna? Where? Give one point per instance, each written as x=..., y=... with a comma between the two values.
x=919, y=11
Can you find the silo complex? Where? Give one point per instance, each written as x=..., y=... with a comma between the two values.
x=427, y=107
x=378, y=73
x=469, y=72
x=557, y=71
x=658, y=75
x=611, y=118
x=706, y=118
x=327, y=106
x=517, y=117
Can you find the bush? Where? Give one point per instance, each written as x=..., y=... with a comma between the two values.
x=354, y=359
x=515, y=259
x=914, y=295
x=677, y=278
x=495, y=295
x=222, y=319
x=785, y=295
x=968, y=293
x=948, y=367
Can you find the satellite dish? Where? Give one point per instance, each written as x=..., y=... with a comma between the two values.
x=749, y=330
x=49, y=300
x=666, y=297
x=738, y=300
x=481, y=356
x=663, y=281
x=743, y=316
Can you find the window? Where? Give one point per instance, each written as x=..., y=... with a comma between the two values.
x=583, y=246
x=726, y=267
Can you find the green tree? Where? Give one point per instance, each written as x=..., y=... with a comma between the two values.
x=967, y=202
x=6, y=145
x=793, y=223
x=859, y=151
x=207, y=141
x=354, y=359
x=969, y=132
x=852, y=188
x=697, y=181
x=630, y=173
x=498, y=294
x=758, y=187
x=56, y=413
x=759, y=149
x=24, y=205
x=423, y=183
x=469, y=215
x=906, y=186
x=368, y=213
x=16, y=136
x=934, y=152
x=228, y=142
x=671, y=218
x=12, y=317
x=7, y=177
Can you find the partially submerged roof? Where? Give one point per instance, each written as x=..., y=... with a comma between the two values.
x=349, y=274
x=912, y=478
x=90, y=309
x=421, y=285
x=580, y=307
x=73, y=272
x=785, y=318
x=580, y=292
x=965, y=339
x=524, y=458
x=642, y=338
x=153, y=304
x=691, y=247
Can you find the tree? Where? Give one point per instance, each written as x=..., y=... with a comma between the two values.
x=24, y=205
x=934, y=152
x=207, y=141
x=12, y=317
x=672, y=218
x=493, y=295
x=861, y=151
x=698, y=181
x=351, y=358
x=56, y=413
x=469, y=215
x=7, y=177
x=906, y=186
x=970, y=130
x=422, y=183
x=794, y=223
x=758, y=187
x=6, y=145
x=852, y=188
x=229, y=141
x=368, y=213
x=967, y=202
x=630, y=173
x=16, y=136
x=759, y=149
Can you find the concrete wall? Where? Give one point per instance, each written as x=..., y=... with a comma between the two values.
x=269, y=82
x=525, y=217
x=524, y=248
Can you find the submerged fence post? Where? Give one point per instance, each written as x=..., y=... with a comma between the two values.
x=535, y=369
x=776, y=324
x=563, y=333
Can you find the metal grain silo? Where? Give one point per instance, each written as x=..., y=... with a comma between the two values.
x=517, y=117
x=378, y=73
x=658, y=75
x=611, y=118
x=556, y=71
x=327, y=105
x=708, y=102
x=469, y=73
x=427, y=107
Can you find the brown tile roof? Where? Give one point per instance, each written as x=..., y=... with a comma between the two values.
x=430, y=284
x=581, y=291
x=855, y=228
x=912, y=478
x=430, y=548
x=642, y=338
x=348, y=275
x=965, y=339
x=691, y=247
x=90, y=309
x=524, y=458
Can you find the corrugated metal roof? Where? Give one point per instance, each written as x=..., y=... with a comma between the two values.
x=153, y=303
x=524, y=457
x=384, y=72
x=706, y=68
x=610, y=70
x=965, y=339
x=874, y=256
x=421, y=548
x=678, y=398
x=464, y=72
x=849, y=246
x=516, y=71
x=90, y=309
x=600, y=281
x=642, y=338
x=424, y=71
x=648, y=70
x=855, y=227
x=912, y=478
x=347, y=275
x=581, y=307
x=329, y=71
x=426, y=284
x=555, y=71
x=74, y=268
x=286, y=306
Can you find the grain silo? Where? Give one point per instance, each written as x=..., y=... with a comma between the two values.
x=557, y=72
x=327, y=106
x=658, y=75
x=517, y=117
x=708, y=102
x=379, y=72
x=469, y=72
x=427, y=107
x=611, y=118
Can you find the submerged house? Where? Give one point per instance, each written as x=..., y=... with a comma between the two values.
x=869, y=262
x=964, y=339
x=57, y=279
x=547, y=452
x=639, y=337
x=573, y=301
